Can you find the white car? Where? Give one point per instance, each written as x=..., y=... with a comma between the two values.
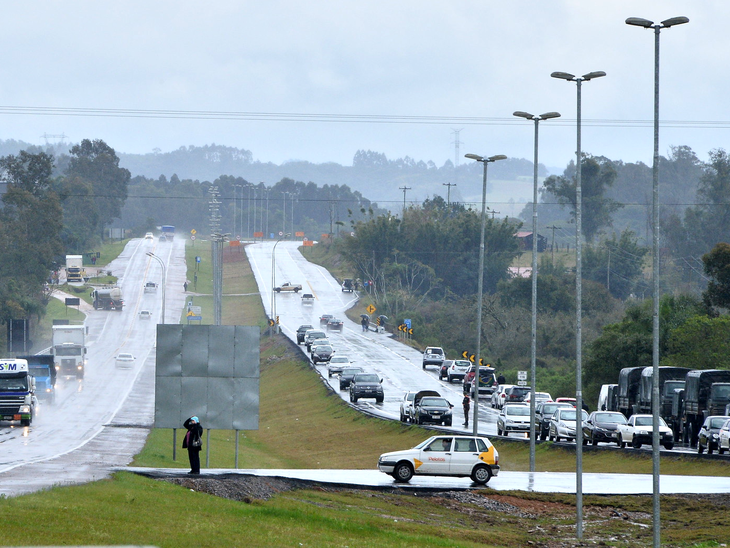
x=724, y=440
x=460, y=456
x=514, y=417
x=563, y=422
x=498, y=396
x=639, y=430
x=149, y=236
x=406, y=406
x=124, y=359
x=457, y=370
x=337, y=364
x=145, y=315
x=539, y=396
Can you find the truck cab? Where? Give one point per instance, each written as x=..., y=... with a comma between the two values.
x=17, y=392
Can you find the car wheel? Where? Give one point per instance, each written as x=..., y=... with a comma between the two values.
x=721, y=450
x=403, y=472
x=668, y=446
x=424, y=366
x=481, y=474
x=635, y=443
x=557, y=438
x=499, y=431
x=620, y=442
x=329, y=373
x=378, y=400
x=447, y=423
x=594, y=441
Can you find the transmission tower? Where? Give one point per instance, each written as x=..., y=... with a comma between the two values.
x=457, y=156
x=47, y=136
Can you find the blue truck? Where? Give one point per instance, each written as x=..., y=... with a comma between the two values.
x=41, y=367
x=168, y=231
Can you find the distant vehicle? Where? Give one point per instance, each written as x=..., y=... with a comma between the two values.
x=108, y=298
x=69, y=349
x=366, y=385
x=444, y=369
x=337, y=364
x=706, y=392
x=41, y=367
x=608, y=398
x=347, y=375
x=124, y=359
x=335, y=324
x=638, y=430
x=457, y=370
x=563, y=423
x=348, y=285
x=17, y=387
x=459, y=456
x=406, y=406
x=168, y=232
x=322, y=353
x=516, y=394
x=571, y=401
x=431, y=409
x=296, y=288
x=324, y=319
x=724, y=438
x=543, y=413
x=709, y=436
x=301, y=331
x=487, y=380
x=539, y=396
x=307, y=298
x=150, y=287
x=514, y=417
x=75, y=272
x=602, y=426
x=145, y=315
x=311, y=335
x=149, y=236
x=162, y=238
x=433, y=355
x=498, y=396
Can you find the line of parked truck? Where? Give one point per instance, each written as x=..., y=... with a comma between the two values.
x=687, y=396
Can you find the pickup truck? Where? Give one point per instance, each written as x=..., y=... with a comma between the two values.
x=638, y=430
x=307, y=298
x=296, y=288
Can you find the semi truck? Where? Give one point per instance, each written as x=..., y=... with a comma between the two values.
x=43, y=369
x=69, y=350
x=75, y=272
x=672, y=375
x=17, y=392
x=108, y=298
x=168, y=231
x=706, y=392
x=629, y=384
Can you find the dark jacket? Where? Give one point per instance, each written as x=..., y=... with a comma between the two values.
x=466, y=403
x=194, y=430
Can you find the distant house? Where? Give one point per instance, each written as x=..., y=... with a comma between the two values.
x=525, y=239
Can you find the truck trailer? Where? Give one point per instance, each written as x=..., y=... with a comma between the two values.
x=75, y=272
x=69, y=350
x=17, y=392
x=706, y=392
x=108, y=298
x=629, y=385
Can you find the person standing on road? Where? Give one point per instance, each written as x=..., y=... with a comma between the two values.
x=193, y=442
x=466, y=403
x=501, y=379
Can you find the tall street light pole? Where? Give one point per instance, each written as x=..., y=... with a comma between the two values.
x=578, y=300
x=645, y=23
x=164, y=280
x=533, y=345
x=273, y=282
x=480, y=289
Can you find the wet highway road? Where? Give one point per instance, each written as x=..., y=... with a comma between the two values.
x=90, y=427
x=398, y=365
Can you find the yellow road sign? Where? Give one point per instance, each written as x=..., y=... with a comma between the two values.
x=410, y=331
x=193, y=232
x=465, y=355
x=371, y=309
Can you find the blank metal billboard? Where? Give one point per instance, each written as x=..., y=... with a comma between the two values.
x=211, y=371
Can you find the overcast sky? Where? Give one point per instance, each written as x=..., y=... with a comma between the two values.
x=479, y=60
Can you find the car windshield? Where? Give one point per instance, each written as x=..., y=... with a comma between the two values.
x=647, y=421
x=339, y=359
x=410, y=396
x=124, y=357
x=434, y=351
x=462, y=363
x=434, y=402
x=323, y=348
x=351, y=370
x=569, y=414
x=518, y=410
x=718, y=422
x=366, y=378
x=611, y=418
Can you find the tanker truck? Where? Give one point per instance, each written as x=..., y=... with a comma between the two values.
x=108, y=298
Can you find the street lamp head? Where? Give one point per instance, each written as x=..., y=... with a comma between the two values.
x=523, y=114
x=150, y=254
x=474, y=157
x=674, y=21
x=639, y=22
x=497, y=157
x=549, y=115
x=592, y=75
x=563, y=76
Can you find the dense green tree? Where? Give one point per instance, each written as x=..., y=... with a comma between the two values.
x=98, y=164
x=597, y=176
x=717, y=267
x=616, y=262
x=30, y=226
x=700, y=342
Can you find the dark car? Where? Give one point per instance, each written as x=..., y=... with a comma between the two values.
x=543, y=412
x=432, y=409
x=301, y=331
x=444, y=369
x=487, y=380
x=348, y=285
x=709, y=435
x=335, y=324
x=347, y=374
x=516, y=394
x=366, y=385
x=601, y=426
x=324, y=319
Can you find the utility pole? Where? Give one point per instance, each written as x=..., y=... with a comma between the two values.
x=552, y=246
x=448, y=192
x=404, y=189
x=494, y=212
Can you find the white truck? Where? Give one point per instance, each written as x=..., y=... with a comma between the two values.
x=69, y=350
x=17, y=392
x=75, y=272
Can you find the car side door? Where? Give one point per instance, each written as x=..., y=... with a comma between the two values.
x=436, y=458
x=463, y=456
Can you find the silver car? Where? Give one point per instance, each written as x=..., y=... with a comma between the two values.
x=337, y=364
